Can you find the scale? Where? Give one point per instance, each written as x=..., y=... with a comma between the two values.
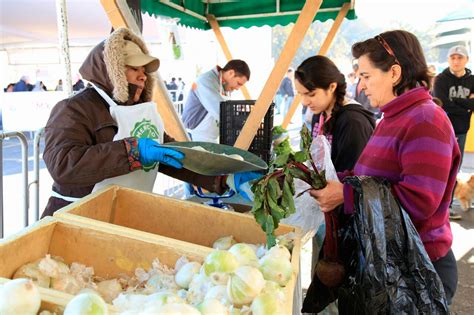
x=213, y=159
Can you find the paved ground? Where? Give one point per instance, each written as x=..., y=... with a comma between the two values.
x=463, y=247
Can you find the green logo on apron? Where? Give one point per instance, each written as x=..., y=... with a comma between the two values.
x=145, y=129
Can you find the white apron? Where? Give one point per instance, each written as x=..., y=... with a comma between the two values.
x=140, y=121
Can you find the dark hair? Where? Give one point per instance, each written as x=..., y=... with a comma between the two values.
x=406, y=50
x=239, y=66
x=319, y=72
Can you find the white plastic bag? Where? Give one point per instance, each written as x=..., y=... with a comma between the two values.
x=308, y=216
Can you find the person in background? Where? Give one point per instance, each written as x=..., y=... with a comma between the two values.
x=111, y=132
x=181, y=85
x=23, y=85
x=394, y=76
x=455, y=88
x=9, y=87
x=39, y=86
x=79, y=85
x=344, y=122
x=201, y=113
x=59, y=86
x=351, y=84
x=285, y=94
x=432, y=73
x=172, y=87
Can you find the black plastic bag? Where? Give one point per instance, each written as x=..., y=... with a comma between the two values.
x=388, y=269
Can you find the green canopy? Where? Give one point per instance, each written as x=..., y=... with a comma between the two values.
x=239, y=13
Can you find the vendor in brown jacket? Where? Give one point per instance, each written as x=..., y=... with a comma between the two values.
x=110, y=133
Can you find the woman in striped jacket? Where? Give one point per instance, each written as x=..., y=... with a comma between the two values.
x=413, y=146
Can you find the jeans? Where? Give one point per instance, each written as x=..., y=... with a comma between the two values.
x=448, y=272
x=461, y=139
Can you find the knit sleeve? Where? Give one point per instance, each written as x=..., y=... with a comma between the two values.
x=429, y=159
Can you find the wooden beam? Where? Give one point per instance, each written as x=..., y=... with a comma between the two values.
x=173, y=124
x=120, y=15
x=308, y=12
x=322, y=51
x=220, y=38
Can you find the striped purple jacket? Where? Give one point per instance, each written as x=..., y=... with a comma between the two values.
x=414, y=147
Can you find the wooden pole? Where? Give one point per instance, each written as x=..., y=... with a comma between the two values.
x=308, y=12
x=61, y=17
x=120, y=16
x=220, y=38
x=322, y=51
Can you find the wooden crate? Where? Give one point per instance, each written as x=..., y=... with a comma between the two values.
x=110, y=254
x=127, y=211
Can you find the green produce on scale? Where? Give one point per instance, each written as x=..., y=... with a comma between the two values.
x=274, y=193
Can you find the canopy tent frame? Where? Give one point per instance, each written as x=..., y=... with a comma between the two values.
x=173, y=123
x=263, y=102
x=322, y=51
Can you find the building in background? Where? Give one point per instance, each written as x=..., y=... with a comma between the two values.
x=456, y=28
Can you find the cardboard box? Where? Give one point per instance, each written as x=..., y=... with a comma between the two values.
x=110, y=254
x=127, y=211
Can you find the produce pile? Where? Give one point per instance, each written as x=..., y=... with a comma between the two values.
x=235, y=278
x=274, y=193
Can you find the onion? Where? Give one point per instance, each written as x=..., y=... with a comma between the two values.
x=220, y=261
x=19, y=296
x=244, y=285
x=276, y=269
x=224, y=243
x=198, y=288
x=212, y=307
x=86, y=304
x=245, y=254
x=186, y=273
x=219, y=292
x=266, y=304
x=279, y=251
x=162, y=298
x=173, y=309
x=130, y=301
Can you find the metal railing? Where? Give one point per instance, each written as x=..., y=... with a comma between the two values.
x=36, y=171
x=24, y=160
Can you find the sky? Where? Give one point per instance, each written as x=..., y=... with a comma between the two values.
x=421, y=14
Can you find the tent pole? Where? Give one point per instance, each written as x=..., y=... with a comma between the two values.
x=220, y=38
x=61, y=15
x=322, y=51
x=119, y=15
x=308, y=12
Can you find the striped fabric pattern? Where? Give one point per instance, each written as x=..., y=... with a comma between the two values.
x=414, y=147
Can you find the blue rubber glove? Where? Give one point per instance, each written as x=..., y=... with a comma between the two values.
x=241, y=183
x=151, y=151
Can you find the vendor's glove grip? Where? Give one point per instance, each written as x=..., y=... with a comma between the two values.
x=150, y=151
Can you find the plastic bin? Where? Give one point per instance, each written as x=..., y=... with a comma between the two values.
x=234, y=114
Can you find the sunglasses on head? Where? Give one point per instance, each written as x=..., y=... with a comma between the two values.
x=387, y=48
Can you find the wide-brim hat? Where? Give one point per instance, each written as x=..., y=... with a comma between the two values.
x=135, y=57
